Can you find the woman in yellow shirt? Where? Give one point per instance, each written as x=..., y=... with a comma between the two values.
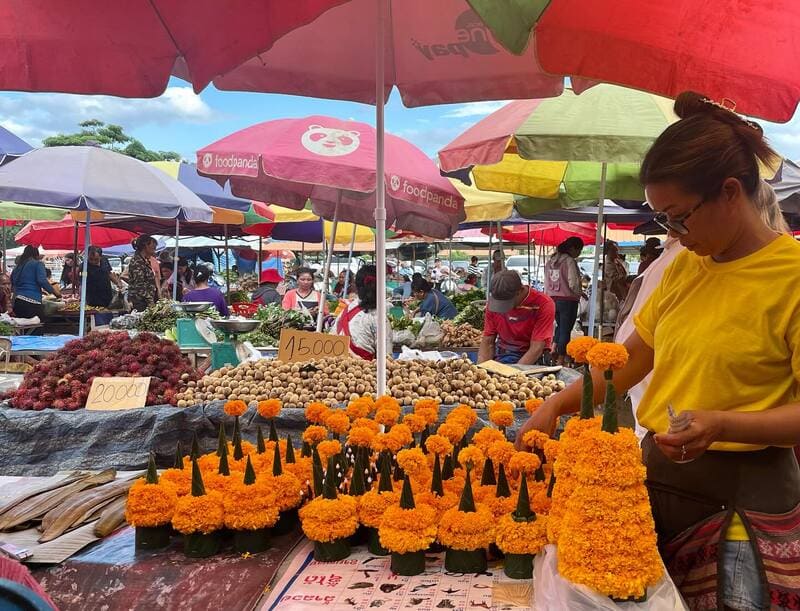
x=721, y=336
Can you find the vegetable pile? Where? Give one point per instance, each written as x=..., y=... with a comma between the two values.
x=63, y=380
x=473, y=315
x=158, y=317
x=333, y=381
x=274, y=318
x=462, y=300
x=460, y=336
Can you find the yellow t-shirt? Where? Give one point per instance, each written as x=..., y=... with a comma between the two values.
x=726, y=336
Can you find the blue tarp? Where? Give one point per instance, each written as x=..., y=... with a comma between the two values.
x=48, y=343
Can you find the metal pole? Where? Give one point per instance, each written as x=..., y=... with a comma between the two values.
x=602, y=293
x=530, y=271
x=327, y=269
x=452, y=269
x=597, y=249
x=73, y=274
x=175, y=261
x=5, y=263
x=489, y=267
x=259, y=262
x=380, y=203
x=302, y=254
x=86, y=239
x=349, y=263
x=227, y=264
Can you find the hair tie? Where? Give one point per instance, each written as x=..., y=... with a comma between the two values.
x=729, y=105
x=370, y=279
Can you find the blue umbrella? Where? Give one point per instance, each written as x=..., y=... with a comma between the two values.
x=11, y=146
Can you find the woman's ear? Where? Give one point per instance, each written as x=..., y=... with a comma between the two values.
x=732, y=189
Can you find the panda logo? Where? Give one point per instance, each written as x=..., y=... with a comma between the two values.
x=394, y=182
x=330, y=142
x=207, y=159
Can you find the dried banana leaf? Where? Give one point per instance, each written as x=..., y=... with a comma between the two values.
x=46, y=487
x=112, y=517
x=99, y=479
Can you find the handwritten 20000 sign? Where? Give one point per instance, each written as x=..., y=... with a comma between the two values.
x=117, y=393
x=297, y=346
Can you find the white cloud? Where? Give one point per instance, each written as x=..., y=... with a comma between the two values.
x=475, y=109
x=37, y=116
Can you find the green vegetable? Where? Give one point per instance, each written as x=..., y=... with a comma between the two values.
x=274, y=318
x=238, y=297
x=6, y=328
x=462, y=300
x=472, y=314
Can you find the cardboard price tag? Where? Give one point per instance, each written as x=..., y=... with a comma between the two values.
x=297, y=346
x=117, y=393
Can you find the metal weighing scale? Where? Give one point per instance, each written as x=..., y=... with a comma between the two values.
x=189, y=333
x=227, y=352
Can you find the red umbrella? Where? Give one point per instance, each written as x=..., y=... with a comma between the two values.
x=131, y=48
x=744, y=51
x=546, y=234
x=59, y=235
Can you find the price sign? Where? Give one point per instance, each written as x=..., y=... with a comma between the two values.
x=298, y=346
x=117, y=393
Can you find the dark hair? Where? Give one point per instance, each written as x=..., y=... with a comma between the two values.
x=142, y=241
x=28, y=253
x=420, y=284
x=95, y=249
x=367, y=287
x=570, y=243
x=474, y=258
x=305, y=270
x=707, y=146
x=48, y=273
x=202, y=274
x=416, y=276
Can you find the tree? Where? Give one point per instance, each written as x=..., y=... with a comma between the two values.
x=96, y=132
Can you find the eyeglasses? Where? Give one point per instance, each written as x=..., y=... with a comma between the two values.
x=676, y=224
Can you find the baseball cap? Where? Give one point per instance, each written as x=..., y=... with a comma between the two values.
x=505, y=286
x=271, y=275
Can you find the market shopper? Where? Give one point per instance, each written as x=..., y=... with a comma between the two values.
x=267, y=291
x=432, y=301
x=720, y=336
x=359, y=321
x=473, y=269
x=615, y=274
x=5, y=295
x=29, y=281
x=519, y=322
x=142, y=287
x=98, y=279
x=562, y=283
x=496, y=266
x=203, y=292
x=305, y=298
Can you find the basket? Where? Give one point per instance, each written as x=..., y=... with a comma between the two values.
x=245, y=309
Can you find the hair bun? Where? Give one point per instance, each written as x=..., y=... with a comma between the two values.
x=691, y=103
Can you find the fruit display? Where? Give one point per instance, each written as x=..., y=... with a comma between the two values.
x=63, y=380
x=274, y=318
x=335, y=380
x=460, y=336
x=75, y=306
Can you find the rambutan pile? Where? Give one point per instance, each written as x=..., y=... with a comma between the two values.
x=63, y=380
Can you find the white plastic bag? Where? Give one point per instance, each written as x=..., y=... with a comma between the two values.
x=410, y=354
x=403, y=338
x=430, y=335
x=552, y=591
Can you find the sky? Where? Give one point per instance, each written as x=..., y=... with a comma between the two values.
x=181, y=121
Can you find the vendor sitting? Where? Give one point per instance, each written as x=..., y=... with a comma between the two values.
x=432, y=301
x=519, y=322
x=267, y=291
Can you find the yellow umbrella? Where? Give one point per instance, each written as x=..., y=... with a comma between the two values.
x=484, y=205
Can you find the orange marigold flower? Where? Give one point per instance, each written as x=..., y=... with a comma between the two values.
x=500, y=505
x=235, y=408
x=502, y=418
x=501, y=452
x=486, y=437
x=524, y=462
x=535, y=439
x=199, y=514
x=372, y=506
x=179, y=479
x=402, y=433
x=464, y=412
x=608, y=355
x=407, y=530
x=386, y=417
x=386, y=441
x=415, y=422
x=359, y=408
x=531, y=405
x=387, y=402
x=438, y=444
x=467, y=531
x=427, y=404
x=368, y=423
x=316, y=412
x=286, y=489
x=514, y=537
x=314, y=434
x=269, y=408
x=471, y=456
x=551, y=450
x=247, y=508
x=430, y=414
x=327, y=520
x=337, y=421
x=150, y=504
x=462, y=421
x=580, y=346
x=361, y=436
x=500, y=406
x=413, y=462
x=328, y=448
x=453, y=432
x=540, y=503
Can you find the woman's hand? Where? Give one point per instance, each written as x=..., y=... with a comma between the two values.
x=543, y=419
x=702, y=428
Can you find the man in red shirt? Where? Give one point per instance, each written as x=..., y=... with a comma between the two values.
x=519, y=322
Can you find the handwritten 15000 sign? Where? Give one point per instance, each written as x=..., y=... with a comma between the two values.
x=297, y=346
x=117, y=393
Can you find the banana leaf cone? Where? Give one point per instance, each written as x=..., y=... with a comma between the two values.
x=436, y=482
x=251, y=541
x=610, y=406
x=290, y=459
x=224, y=467
x=551, y=485
x=358, y=487
x=199, y=545
x=384, y=485
x=410, y=563
x=423, y=437
x=587, y=396
x=399, y=474
x=195, y=451
x=317, y=476
x=178, y=464
x=222, y=440
x=152, y=537
x=456, y=464
x=520, y=566
x=288, y=520
x=502, y=489
x=447, y=467
x=339, y=548
x=261, y=447
x=273, y=432
x=466, y=561
x=487, y=477
x=305, y=450
x=237, y=440
x=385, y=480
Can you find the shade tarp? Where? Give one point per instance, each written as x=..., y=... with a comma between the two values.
x=58, y=235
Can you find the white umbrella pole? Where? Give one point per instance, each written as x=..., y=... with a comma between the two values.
x=227, y=264
x=452, y=269
x=327, y=270
x=302, y=254
x=380, y=203
x=349, y=262
x=258, y=261
x=175, y=261
x=489, y=267
x=86, y=239
x=598, y=247
x=530, y=271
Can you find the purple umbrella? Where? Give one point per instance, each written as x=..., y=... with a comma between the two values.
x=11, y=146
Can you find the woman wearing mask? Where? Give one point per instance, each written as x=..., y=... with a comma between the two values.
x=720, y=336
x=359, y=321
x=432, y=301
x=142, y=287
x=29, y=281
x=304, y=298
x=562, y=283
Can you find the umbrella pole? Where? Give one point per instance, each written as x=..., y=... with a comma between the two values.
x=530, y=281
x=452, y=269
x=302, y=254
x=380, y=203
x=73, y=274
x=327, y=269
x=602, y=300
x=5, y=264
x=349, y=262
x=227, y=264
x=259, y=262
x=489, y=267
x=86, y=238
x=598, y=246
x=175, y=262
x=500, y=241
